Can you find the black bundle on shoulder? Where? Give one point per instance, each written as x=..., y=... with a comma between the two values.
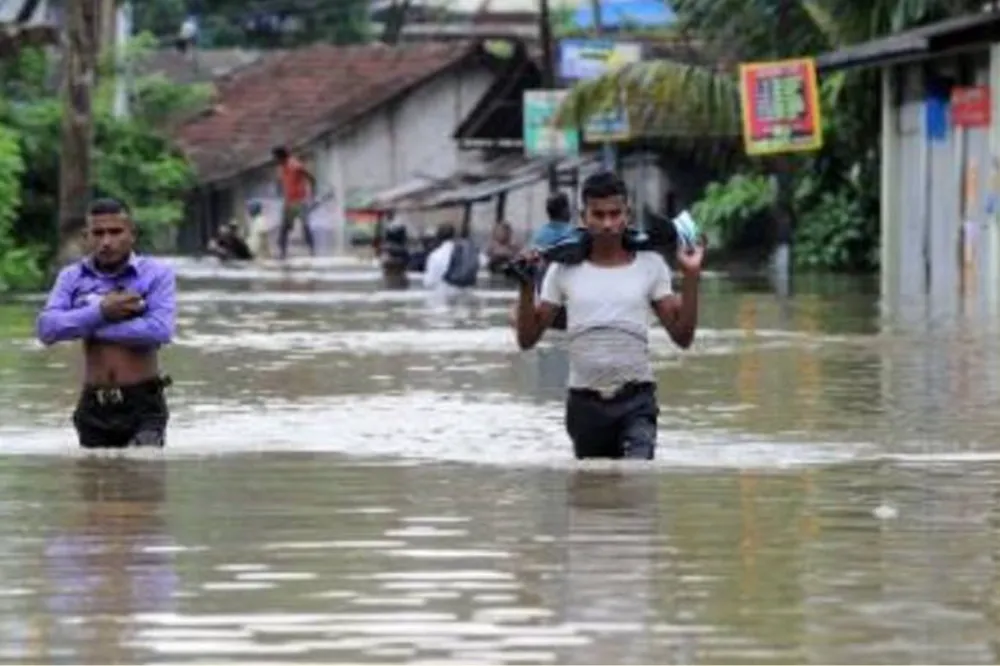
x=574, y=250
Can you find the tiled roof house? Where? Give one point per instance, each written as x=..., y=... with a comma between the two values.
x=297, y=97
x=364, y=118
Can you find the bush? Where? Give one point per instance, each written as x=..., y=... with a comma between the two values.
x=132, y=161
x=837, y=234
x=837, y=227
x=19, y=264
x=733, y=213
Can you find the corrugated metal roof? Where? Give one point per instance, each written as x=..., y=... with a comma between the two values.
x=530, y=173
x=912, y=44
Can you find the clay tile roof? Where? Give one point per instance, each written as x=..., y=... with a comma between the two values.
x=197, y=66
x=295, y=96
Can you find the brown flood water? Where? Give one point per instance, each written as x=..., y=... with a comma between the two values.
x=354, y=476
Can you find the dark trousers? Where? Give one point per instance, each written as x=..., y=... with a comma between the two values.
x=621, y=426
x=122, y=416
x=291, y=213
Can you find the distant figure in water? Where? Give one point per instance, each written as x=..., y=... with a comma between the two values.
x=418, y=259
x=394, y=255
x=228, y=246
x=298, y=187
x=258, y=231
x=501, y=248
x=122, y=307
x=452, y=267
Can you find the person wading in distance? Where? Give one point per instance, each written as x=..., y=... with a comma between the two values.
x=612, y=408
x=122, y=307
x=298, y=186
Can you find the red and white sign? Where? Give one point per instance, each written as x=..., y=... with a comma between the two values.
x=970, y=106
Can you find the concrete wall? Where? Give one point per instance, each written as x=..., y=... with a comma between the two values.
x=940, y=263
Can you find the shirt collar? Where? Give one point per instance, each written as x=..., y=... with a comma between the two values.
x=131, y=266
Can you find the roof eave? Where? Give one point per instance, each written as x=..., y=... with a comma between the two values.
x=961, y=33
x=874, y=54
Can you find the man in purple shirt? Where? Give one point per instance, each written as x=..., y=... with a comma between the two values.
x=121, y=306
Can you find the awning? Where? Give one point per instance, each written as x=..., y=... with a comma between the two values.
x=411, y=187
x=532, y=172
x=470, y=185
x=918, y=43
x=412, y=193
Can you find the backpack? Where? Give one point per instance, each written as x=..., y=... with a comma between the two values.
x=463, y=268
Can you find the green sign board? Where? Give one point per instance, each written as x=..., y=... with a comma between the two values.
x=541, y=137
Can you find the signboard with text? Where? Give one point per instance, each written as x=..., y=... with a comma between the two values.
x=780, y=104
x=607, y=126
x=611, y=125
x=541, y=137
x=586, y=59
x=970, y=106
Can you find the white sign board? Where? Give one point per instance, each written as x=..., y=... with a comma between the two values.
x=541, y=137
x=584, y=59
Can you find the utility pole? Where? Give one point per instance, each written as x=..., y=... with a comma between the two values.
x=609, y=156
x=784, y=207
x=548, y=76
x=595, y=7
x=83, y=24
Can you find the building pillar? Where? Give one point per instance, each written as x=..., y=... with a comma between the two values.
x=889, y=190
x=991, y=258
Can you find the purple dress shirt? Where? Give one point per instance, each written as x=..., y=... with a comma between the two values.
x=73, y=309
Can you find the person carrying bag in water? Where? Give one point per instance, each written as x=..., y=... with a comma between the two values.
x=608, y=286
x=454, y=264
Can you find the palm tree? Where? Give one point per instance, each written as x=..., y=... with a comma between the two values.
x=699, y=99
x=679, y=98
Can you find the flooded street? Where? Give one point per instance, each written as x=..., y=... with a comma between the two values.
x=353, y=475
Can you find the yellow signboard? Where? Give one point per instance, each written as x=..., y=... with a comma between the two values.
x=780, y=104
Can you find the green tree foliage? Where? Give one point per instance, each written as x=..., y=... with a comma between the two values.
x=133, y=161
x=258, y=23
x=730, y=209
x=836, y=189
x=18, y=263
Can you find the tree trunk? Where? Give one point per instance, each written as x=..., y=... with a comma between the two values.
x=107, y=28
x=83, y=22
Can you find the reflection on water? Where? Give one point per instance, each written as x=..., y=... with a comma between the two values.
x=355, y=474
x=109, y=558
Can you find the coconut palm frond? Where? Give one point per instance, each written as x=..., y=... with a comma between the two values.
x=664, y=98
x=824, y=21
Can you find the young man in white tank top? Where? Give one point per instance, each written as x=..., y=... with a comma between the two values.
x=612, y=408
